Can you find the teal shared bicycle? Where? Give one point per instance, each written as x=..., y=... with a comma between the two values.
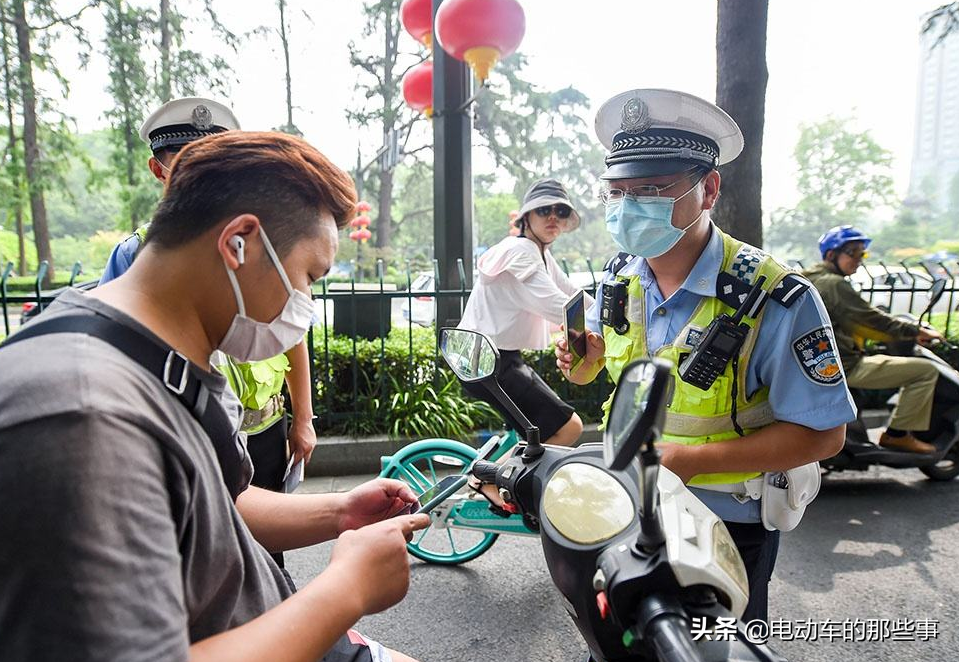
x=463, y=526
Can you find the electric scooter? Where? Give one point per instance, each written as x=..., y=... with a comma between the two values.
x=859, y=452
x=643, y=568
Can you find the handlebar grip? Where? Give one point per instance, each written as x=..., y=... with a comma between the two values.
x=671, y=640
x=485, y=471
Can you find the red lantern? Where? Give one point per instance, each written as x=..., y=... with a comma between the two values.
x=480, y=32
x=363, y=234
x=363, y=207
x=360, y=222
x=417, y=18
x=355, y=235
x=418, y=88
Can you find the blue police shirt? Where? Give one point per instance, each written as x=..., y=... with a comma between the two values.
x=794, y=395
x=120, y=259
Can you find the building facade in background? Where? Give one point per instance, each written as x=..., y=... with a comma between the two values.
x=935, y=156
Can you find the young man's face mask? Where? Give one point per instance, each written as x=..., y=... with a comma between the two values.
x=250, y=340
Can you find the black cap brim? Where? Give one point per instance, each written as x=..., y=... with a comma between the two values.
x=649, y=168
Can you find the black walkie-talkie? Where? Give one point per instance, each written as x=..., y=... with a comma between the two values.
x=721, y=341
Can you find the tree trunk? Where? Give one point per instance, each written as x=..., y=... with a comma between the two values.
x=741, y=91
x=165, y=86
x=15, y=180
x=286, y=59
x=384, y=221
x=31, y=150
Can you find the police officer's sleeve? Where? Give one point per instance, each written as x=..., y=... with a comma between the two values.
x=120, y=259
x=796, y=357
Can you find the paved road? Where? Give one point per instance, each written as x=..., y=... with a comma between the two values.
x=878, y=545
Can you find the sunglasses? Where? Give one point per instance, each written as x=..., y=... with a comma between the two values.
x=856, y=255
x=561, y=211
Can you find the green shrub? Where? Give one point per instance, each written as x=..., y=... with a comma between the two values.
x=412, y=393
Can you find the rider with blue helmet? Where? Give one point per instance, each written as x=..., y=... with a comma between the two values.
x=843, y=249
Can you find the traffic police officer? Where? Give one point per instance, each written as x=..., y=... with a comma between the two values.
x=843, y=248
x=780, y=401
x=257, y=384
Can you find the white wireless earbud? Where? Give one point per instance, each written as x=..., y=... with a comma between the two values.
x=237, y=243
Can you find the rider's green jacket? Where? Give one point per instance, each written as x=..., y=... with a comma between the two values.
x=853, y=319
x=695, y=416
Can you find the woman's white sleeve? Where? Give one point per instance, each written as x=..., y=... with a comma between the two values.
x=542, y=295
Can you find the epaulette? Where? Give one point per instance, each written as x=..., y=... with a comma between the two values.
x=616, y=263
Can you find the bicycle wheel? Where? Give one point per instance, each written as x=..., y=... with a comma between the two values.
x=450, y=546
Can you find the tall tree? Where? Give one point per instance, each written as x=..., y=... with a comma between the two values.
x=13, y=155
x=31, y=146
x=182, y=70
x=382, y=104
x=47, y=137
x=843, y=176
x=130, y=89
x=533, y=133
x=741, y=77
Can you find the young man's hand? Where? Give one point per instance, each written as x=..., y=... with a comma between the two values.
x=374, y=501
x=375, y=560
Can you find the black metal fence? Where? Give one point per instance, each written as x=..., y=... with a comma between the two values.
x=351, y=312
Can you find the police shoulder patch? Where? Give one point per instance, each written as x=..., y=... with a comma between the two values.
x=817, y=357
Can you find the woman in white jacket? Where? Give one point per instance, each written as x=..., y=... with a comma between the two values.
x=518, y=297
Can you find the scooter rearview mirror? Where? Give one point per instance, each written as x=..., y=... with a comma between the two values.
x=936, y=291
x=473, y=358
x=637, y=413
x=470, y=355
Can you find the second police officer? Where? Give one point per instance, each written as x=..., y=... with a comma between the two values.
x=779, y=401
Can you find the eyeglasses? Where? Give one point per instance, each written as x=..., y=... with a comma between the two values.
x=561, y=211
x=642, y=191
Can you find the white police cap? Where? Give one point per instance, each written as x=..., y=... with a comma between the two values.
x=181, y=121
x=650, y=132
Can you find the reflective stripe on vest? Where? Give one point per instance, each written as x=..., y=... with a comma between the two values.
x=695, y=416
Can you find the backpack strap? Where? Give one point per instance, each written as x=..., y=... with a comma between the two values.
x=173, y=369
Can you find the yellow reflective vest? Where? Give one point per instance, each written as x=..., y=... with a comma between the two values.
x=695, y=416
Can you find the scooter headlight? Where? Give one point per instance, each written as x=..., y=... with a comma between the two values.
x=727, y=556
x=587, y=505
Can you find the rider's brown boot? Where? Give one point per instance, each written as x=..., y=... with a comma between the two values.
x=906, y=443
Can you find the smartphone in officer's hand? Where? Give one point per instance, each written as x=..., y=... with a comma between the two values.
x=574, y=314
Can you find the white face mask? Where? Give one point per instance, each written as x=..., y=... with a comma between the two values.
x=250, y=340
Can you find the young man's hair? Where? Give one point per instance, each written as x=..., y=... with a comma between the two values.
x=279, y=178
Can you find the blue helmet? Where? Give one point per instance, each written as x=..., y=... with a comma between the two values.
x=839, y=236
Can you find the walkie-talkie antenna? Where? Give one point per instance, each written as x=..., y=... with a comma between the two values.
x=750, y=300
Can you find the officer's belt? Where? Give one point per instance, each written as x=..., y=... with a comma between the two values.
x=751, y=489
x=688, y=425
x=255, y=417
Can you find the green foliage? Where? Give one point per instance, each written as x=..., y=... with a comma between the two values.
x=844, y=176
x=397, y=392
x=9, y=251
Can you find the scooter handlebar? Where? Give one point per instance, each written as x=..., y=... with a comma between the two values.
x=671, y=640
x=485, y=471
